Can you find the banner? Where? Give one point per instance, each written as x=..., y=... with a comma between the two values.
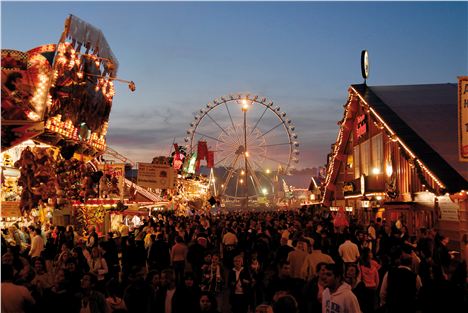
x=463, y=118
x=192, y=164
x=156, y=176
x=202, y=150
x=178, y=159
x=111, y=184
x=210, y=159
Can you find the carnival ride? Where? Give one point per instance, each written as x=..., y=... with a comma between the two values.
x=253, y=141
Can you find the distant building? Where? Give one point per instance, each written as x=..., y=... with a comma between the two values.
x=396, y=157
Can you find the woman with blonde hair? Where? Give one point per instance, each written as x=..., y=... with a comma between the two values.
x=98, y=267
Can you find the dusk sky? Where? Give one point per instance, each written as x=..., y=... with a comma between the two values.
x=301, y=55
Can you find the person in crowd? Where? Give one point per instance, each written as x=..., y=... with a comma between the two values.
x=338, y=295
x=114, y=299
x=283, y=282
x=139, y=295
x=352, y=277
x=21, y=266
x=98, y=266
x=229, y=242
x=59, y=296
x=297, y=258
x=264, y=308
x=15, y=299
x=369, y=270
x=170, y=297
x=212, y=275
x=93, y=238
x=70, y=236
x=159, y=257
x=89, y=299
x=178, y=258
x=283, y=250
x=240, y=284
x=207, y=303
x=400, y=287
x=314, y=258
x=37, y=244
x=110, y=254
x=285, y=303
x=73, y=275
x=349, y=251
x=190, y=291
x=313, y=290
x=154, y=280
x=42, y=279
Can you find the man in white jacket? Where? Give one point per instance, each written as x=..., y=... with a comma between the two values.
x=338, y=296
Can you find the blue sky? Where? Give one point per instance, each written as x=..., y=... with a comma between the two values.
x=301, y=55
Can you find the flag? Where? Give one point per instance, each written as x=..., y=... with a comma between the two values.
x=178, y=158
x=210, y=159
x=202, y=150
x=191, y=164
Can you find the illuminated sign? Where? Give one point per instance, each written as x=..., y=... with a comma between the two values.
x=361, y=127
x=348, y=188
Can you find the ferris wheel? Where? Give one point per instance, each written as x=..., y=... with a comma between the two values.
x=252, y=140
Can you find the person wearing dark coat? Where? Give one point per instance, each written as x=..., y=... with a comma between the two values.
x=159, y=257
x=139, y=294
x=240, y=286
x=171, y=295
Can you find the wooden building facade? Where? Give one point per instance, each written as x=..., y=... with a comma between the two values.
x=395, y=157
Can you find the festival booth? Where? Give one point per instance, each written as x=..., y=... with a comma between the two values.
x=388, y=163
x=56, y=101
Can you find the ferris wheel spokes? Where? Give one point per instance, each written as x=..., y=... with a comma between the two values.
x=231, y=170
x=254, y=177
x=258, y=121
x=276, y=144
x=207, y=136
x=246, y=143
x=230, y=154
x=278, y=125
x=217, y=124
x=232, y=123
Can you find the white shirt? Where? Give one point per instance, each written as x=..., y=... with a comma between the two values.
x=37, y=245
x=349, y=252
x=168, y=303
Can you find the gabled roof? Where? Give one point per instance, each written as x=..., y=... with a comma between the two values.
x=424, y=117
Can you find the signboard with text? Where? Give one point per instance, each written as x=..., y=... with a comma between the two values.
x=156, y=176
x=11, y=209
x=463, y=118
x=448, y=209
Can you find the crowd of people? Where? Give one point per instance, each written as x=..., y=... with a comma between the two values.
x=239, y=262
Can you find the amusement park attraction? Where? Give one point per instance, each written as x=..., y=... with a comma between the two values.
x=56, y=165
x=56, y=102
x=254, y=143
